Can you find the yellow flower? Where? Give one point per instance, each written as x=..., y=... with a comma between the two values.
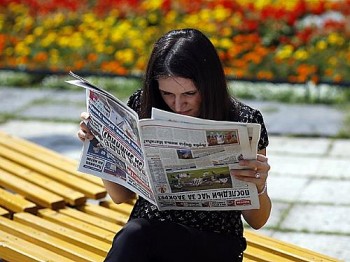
x=333, y=61
x=77, y=40
x=67, y=30
x=116, y=35
x=192, y=20
x=285, y=52
x=29, y=39
x=110, y=20
x=125, y=56
x=321, y=45
x=21, y=22
x=2, y=19
x=38, y=31
x=214, y=40
x=301, y=54
x=89, y=18
x=141, y=22
x=64, y=41
x=170, y=17
x=209, y=28
x=21, y=49
x=152, y=5
x=17, y=8
x=204, y=14
x=54, y=56
x=221, y=13
x=100, y=47
x=225, y=43
x=58, y=19
x=153, y=18
x=335, y=39
x=48, y=39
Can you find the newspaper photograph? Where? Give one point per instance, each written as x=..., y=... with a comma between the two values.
x=173, y=161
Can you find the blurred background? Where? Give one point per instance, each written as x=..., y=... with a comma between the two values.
x=304, y=43
x=293, y=55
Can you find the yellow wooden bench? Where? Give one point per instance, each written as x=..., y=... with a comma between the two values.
x=51, y=212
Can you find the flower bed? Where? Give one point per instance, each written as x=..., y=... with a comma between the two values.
x=273, y=40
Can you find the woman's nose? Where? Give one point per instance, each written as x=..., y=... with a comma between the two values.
x=178, y=104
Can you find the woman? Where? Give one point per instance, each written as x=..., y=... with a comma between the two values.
x=184, y=75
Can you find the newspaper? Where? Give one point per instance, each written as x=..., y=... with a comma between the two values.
x=173, y=161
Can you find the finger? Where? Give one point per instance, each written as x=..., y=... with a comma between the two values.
x=248, y=173
x=81, y=135
x=84, y=132
x=261, y=158
x=84, y=115
x=249, y=164
x=83, y=126
x=260, y=164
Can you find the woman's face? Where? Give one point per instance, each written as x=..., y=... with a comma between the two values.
x=181, y=95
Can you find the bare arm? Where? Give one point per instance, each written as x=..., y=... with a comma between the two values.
x=118, y=193
x=257, y=218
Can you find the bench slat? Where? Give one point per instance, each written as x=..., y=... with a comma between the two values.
x=16, y=203
x=46, y=155
x=71, y=196
x=94, y=245
x=283, y=249
x=4, y=212
x=262, y=255
x=47, y=241
x=105, y=213
x=89, y=189
x=123, y=208
x=77, y=225
x=15, y=249
x=90, y=219
x=33, y=192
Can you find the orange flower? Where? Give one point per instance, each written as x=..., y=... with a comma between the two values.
x=41, y=57
x=337, y=78
x=266, y=75
x=78, y=65
x=2, y=42
x=114, y=67
x=92, y=57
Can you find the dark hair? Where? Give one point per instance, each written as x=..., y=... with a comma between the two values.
x=187, y=53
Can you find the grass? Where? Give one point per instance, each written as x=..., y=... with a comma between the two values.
x=345, y=130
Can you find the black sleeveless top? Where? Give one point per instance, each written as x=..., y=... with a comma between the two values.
x=225, y=222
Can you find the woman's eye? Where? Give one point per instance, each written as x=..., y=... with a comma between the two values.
x=190, y=93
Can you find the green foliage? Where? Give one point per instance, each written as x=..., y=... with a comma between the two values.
x=10, y=78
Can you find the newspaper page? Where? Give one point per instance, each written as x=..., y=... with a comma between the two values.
x=115, y=154
x=190, y=164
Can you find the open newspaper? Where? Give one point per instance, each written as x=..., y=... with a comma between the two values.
x=173, y=161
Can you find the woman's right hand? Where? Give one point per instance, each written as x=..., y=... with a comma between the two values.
x=84, y=132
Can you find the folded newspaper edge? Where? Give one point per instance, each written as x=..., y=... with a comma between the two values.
x=173, y=161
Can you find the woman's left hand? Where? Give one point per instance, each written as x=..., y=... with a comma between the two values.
x=256, y=171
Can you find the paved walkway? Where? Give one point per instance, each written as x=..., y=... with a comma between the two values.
x=309, y=181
